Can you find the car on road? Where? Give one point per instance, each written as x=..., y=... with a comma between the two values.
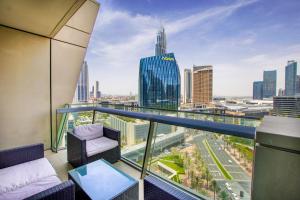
x=228, y=187
x=230, y=161
x=235, y=196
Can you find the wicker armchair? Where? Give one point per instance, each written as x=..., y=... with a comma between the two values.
x=78, y=151
x=20, y=155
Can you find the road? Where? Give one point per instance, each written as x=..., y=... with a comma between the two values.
x=240, y=182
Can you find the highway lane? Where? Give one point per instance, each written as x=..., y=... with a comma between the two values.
x=241, y=181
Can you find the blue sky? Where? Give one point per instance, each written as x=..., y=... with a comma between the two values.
x=239, y=38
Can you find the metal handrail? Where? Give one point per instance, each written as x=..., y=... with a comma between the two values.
x=178, y=111
x=216, y=127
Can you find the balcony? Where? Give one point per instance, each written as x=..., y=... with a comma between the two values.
x=209, y=156
x=198, y=153
x=203, y=155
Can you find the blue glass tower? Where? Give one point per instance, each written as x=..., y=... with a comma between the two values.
x=159, y=82
x=257, y=90
x=269, y=85
x=290, y=78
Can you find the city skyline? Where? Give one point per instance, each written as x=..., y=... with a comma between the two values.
x=229, y=35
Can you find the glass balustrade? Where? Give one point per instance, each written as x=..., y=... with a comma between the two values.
x=208, y=164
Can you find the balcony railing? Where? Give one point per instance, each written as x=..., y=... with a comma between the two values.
x=207, y=155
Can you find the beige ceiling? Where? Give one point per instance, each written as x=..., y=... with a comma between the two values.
x=42, y=17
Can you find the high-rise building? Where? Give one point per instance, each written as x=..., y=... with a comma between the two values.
x=161, y=42
x=298, y=85
x=257, y=90
x=202, y=85
x=290, y=78
x=187, y=88
x=269, y=84
x=92, y=92
x=97, y=91
x=159, y=82
x=288, y=106
x=82, y=89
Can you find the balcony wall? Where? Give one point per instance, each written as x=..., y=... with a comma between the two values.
x=40, y=65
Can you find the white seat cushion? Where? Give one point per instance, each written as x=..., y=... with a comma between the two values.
x=18, y=176
x=89, y=132
x=31, y=189
x=99, y=145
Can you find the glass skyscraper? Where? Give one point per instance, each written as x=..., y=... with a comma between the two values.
x=269, y=84
x=82, y=89
x=290, y=78
x=159, y=82
x=161, y=42
x=257, y=90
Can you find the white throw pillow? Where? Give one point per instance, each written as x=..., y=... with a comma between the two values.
x=89, y=132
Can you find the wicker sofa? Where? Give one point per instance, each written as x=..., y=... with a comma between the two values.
x=92, y=142
x=26, y=174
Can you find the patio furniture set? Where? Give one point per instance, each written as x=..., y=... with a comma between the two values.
x=26, y=174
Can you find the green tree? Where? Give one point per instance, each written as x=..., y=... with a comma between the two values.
x=223, y=195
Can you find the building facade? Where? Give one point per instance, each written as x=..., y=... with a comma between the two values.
x=92, y=92
x=159, y=82
x=82, y=89
x=135, y=131
x=288, y=106
x=97, y=94
x=202, y=85
x=40, y=65
x=187, y=88
x=257, y=90
x=161, y=42
x=269, y=84
x=290, y=78
x=298, y=85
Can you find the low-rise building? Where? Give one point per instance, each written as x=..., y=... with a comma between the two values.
x=288, y=106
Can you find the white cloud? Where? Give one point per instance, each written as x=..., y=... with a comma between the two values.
x=120, y=39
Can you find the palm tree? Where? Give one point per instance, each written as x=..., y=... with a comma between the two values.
x=207, y=177
x=214, y=184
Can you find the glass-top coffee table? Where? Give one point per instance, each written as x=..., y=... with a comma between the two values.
x=100, y=180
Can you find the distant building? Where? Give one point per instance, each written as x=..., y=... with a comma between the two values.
x=269, y=84
x=135, y=131
x=187, y=88
x=97, y=91
x=257, y=90
x=298, y=85
x=290, y=78
x=82, y=89
x=161, y=42
x=159, y=82
x=281, y=92
x=92, y=92
x=202, y=85
x=288, y=106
